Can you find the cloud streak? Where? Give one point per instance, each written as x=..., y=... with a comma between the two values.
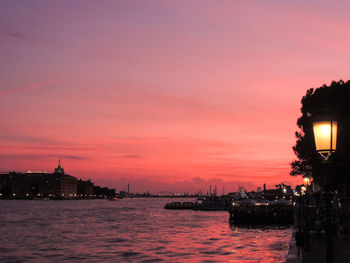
x=130, y=156
x=15, y=35
x=38, y=156
x=22, y=138
x=26, y=88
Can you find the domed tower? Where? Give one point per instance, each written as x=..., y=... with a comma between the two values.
x=59, y=169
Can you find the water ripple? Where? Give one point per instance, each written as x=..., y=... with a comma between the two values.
x=130, y=230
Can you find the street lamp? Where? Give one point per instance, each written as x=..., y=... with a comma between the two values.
x=325, y=135
x=306, y=180
x=325, y=128
x=303, y=190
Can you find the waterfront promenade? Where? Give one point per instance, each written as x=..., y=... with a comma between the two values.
x=317, y=252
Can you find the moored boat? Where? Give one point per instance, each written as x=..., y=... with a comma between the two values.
x=179, y=205
x=211, y=204
x=262, y=213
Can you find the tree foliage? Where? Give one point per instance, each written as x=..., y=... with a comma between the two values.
x=335, y=97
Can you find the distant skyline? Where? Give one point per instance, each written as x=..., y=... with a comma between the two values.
x=164, y=94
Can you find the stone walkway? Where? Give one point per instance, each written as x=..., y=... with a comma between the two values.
x=292, y=256
x=317, y=252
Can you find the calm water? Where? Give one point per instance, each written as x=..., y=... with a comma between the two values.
x=129, y=230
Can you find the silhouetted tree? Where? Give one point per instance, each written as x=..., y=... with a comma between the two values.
x=335, y=97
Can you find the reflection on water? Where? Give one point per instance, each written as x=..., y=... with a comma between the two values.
x=129, y=230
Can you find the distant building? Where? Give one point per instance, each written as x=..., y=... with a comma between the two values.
x=67, y=184
x=85, y=189
x=34, y=184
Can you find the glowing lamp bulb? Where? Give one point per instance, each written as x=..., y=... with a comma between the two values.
x=306, y=181
x=325, y=135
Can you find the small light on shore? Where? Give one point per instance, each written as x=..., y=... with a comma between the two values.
x=303, y=190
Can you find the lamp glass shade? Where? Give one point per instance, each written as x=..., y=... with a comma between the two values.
x=325, y=134
x=306, y=181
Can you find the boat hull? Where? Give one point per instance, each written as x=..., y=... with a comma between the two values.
x=261, y=215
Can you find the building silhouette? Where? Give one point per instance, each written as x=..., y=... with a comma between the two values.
x=39, y=184
x=85, y=189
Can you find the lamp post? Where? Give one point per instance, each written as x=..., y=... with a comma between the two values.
x=325, y=128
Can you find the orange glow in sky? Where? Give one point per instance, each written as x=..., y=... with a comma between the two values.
x=166, y=95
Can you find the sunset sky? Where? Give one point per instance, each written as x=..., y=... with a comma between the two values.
x=166, y=95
